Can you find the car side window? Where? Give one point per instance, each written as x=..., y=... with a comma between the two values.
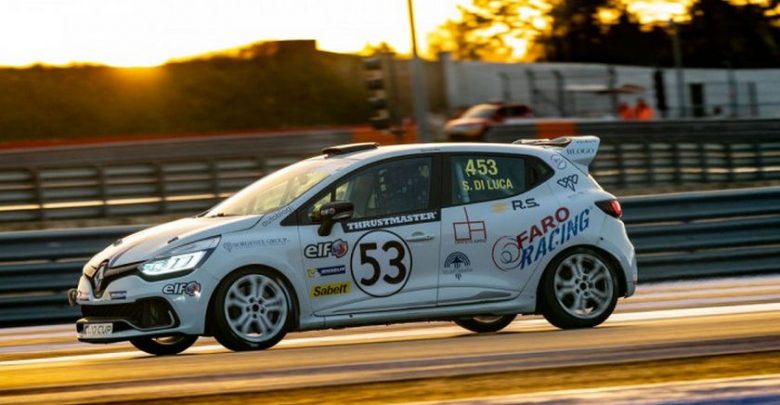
x=386, y=189
x=477, y=178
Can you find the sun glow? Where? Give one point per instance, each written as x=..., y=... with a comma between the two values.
x=142, y=33
x=133, y=33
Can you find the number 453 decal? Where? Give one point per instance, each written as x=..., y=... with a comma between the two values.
x=381, y=263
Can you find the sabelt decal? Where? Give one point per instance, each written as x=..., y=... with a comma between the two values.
x=326, y=271
x=469, y=231
x=324, y=290
x=529, y=246
x=388, y=222
x=457, y=263
x=337, y=248
x=191, y=288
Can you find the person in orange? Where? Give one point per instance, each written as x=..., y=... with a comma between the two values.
x=625, y=112
x=643, y=111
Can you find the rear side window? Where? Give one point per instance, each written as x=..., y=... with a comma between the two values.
x=477, y=178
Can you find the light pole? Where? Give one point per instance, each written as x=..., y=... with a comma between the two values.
x=418, y=84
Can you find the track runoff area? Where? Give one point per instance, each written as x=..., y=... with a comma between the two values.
x=690, y=342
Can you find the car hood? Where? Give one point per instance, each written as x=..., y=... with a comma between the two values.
x=152, y=242
x=465, y=121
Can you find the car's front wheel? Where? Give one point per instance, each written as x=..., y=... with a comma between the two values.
x=579, y=289
x=163, y=346
x=485, y=323
x=252, y=310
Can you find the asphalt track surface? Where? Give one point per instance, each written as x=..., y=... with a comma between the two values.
x=692, y=341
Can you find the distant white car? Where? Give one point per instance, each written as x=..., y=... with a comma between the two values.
x=472, y=233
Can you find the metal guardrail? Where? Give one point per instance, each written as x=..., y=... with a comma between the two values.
x=190, y=175
x=685, y=235
x=145, y=178
x=639, y=154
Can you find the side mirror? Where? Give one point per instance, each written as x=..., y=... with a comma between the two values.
x=332, y=213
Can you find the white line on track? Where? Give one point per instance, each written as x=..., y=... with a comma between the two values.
x=706, y=391
x=413, y=333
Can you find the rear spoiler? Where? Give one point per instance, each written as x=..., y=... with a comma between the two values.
x=580, y=150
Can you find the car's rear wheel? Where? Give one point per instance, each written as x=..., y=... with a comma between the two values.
x=252, y=310
x=485, y=323
x=164, y=346
x=579, y=289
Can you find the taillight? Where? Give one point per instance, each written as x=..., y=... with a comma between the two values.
x=611, y=207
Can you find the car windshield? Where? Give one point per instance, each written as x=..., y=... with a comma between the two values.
x=278, y=189
x=480, y=111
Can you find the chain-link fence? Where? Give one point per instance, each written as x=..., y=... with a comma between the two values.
x=598, y=91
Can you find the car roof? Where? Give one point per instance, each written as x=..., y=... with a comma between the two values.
x=419, y=148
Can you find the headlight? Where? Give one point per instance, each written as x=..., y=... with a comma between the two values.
x=182, y=258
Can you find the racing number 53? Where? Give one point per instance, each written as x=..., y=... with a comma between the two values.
x=397, y=261
x=381, y=272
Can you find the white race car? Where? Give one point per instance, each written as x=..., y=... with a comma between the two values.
x=470, y=233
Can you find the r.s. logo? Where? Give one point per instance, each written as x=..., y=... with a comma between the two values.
x=381, y=263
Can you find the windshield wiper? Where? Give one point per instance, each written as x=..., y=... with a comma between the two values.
x=220, y=215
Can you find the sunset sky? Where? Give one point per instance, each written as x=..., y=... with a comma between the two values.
x=149, y=32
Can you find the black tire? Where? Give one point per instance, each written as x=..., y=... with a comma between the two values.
x=228, y=309
x=594, y=282
x=485, y=324
x=164, y=346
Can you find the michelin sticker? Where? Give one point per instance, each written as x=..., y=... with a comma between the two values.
x=313, y=272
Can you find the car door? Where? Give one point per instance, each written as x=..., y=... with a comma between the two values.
x=385, y=257
x=490, y=200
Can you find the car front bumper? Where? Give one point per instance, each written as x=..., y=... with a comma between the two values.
x=135, y=307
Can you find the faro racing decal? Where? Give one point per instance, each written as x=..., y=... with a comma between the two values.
x=534, y=243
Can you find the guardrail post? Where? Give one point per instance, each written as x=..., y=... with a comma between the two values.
x=758, y=159
x=730, y=162
x=161, y=189
x=621, y=164
x=648, y=150
x=102, y=190
x=214, y=173
x=703, y=162
x=35, y=176
x=677, y=161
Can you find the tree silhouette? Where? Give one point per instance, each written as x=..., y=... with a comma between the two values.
x=716, y=33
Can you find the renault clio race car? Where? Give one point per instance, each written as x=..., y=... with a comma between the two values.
x=470, y=233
